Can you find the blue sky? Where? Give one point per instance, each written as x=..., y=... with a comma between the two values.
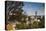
x=30, y=8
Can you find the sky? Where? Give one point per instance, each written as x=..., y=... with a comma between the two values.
x=30, y=8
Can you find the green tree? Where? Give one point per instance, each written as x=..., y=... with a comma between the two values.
x=14, y=7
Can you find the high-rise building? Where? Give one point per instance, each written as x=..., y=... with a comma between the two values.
x=35, y=14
